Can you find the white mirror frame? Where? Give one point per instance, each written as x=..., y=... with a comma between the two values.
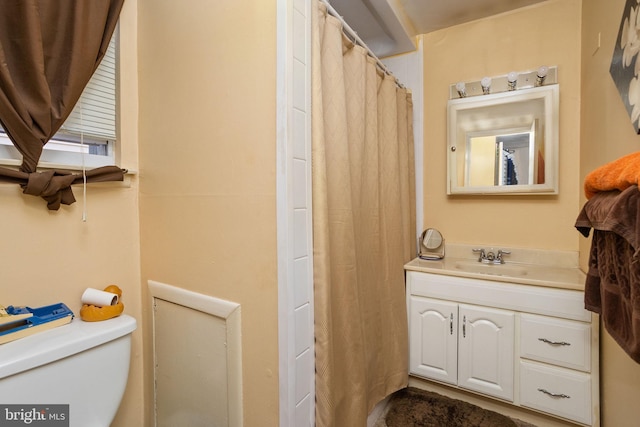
x=477, y=115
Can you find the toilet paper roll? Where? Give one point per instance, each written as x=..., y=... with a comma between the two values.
x=99, y=298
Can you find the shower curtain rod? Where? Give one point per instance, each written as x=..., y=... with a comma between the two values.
x=357, y=40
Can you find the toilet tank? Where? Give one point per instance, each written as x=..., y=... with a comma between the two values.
x=82, y=364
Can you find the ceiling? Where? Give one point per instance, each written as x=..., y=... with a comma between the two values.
x=389, y=27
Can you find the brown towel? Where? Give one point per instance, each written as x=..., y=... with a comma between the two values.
x=616, y=175
x=612, y=288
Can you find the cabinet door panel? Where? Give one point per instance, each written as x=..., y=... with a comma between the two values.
x=433, y=337
x=486, y=348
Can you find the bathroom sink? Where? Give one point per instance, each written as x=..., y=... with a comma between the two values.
x=492, y=269
x=548, y=272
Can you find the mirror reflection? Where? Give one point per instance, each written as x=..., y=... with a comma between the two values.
x=507, y=158
x=504, y=143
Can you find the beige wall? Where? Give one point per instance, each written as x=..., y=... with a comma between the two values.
x=207, y=169
x=547, y=34
x=607, y=134
x=51, y=257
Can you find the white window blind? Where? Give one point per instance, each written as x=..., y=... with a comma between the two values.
x=94, y=116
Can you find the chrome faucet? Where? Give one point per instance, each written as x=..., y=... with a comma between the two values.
x=499, y=257
x=491, y=257
x=482, y=256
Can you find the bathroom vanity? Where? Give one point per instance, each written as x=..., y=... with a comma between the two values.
x=517, y=332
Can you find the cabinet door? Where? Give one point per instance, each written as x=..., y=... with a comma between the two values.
x=486, y=343
x=433, y=338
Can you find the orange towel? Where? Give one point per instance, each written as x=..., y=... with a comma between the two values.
x=616, y=175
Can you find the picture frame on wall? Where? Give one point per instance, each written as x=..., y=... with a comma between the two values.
x=625, y=67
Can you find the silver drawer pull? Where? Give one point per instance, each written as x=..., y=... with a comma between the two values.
x=554, y=342
x=562, y=395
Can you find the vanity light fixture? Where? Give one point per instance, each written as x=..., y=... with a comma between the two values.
x=486, y=85
x=541, y=75
x=512, y=80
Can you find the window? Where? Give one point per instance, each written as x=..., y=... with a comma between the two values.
x=88, y=136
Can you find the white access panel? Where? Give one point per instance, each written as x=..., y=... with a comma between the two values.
x=197, y=359
x=190, y=368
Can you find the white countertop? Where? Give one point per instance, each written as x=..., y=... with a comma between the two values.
x=565, y=277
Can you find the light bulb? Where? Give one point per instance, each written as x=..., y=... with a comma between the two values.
x=486, y=85
x=542, y=71
x=462, y=89
x=512, y=80
x=541, y=74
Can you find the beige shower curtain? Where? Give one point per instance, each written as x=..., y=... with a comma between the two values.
x=364, y=226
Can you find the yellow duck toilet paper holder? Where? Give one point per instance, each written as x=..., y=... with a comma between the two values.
x=95, y=313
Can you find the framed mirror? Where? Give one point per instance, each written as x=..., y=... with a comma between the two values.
x=504, y=143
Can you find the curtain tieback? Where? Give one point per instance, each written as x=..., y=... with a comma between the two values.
x=53, y=186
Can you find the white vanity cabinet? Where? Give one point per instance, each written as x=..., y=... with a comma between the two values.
x=530, y=346
x=464, y=345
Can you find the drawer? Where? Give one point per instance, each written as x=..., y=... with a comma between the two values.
x=560, y=342
x=558, y=391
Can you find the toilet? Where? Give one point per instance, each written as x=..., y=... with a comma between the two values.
x=82, y=364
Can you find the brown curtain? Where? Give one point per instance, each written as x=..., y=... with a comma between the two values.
x=364, y=226
x=48, y=52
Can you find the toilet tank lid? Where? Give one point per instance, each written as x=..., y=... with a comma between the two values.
x=62, y=341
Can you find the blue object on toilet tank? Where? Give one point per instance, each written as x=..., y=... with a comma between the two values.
x=39, y=317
